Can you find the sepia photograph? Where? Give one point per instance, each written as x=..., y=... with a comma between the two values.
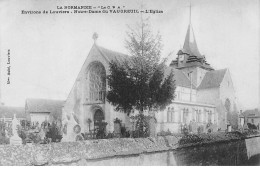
x=130, y=83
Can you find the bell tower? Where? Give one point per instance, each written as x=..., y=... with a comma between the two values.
x=189, y=59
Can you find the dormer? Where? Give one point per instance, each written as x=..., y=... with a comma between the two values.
x=182, y=58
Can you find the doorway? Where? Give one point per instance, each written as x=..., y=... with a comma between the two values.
x=98, y=118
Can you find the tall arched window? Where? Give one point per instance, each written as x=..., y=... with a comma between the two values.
x=185, y=115
x=228, y=106
x=199, y=116
x=210, y=117
x=172, y=113
x=97, y=82
x=169, y=114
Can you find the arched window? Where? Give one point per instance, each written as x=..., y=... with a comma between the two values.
x=199, y=116
x=227, y=105
x=173, y=114
x=169, y=114
x=210, y=117
x=185, y=115
x=97, y=82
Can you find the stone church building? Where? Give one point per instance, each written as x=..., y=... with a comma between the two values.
x=204, y=96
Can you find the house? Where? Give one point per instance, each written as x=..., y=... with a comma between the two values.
x=39, y=110
x=252, y=116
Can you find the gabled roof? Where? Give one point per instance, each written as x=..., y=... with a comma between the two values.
x=112, y=55
x=180, y=78
x=190, y=46
x=212, y=79
x=44, y=105
x=8, y=112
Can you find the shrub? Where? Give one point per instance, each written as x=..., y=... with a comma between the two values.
x=124, y=133
x=251, y=126
x=34, y=137
x=54, y=133
x=142, y=126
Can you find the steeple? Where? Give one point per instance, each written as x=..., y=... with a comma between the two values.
x=189, y=55
x=190, y=45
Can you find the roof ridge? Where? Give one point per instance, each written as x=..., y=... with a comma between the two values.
x=120, y=53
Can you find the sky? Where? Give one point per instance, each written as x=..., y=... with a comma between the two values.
x=48, y=50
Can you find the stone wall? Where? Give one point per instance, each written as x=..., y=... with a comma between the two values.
x=139, y=151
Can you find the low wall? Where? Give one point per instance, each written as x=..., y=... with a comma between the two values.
x=139, y=151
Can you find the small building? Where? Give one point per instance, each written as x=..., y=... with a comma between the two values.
x=39, y=110
x=7, y=114
x=252, y=116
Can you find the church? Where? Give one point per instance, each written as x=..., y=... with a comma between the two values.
x=204, y=97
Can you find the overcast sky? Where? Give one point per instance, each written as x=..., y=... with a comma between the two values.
x=48, y=50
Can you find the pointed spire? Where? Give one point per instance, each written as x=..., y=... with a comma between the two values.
x=190, y=45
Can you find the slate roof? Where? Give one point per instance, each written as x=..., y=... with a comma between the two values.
x=212, y=79
x=180, y=78
x=44, y=105
x=9, y=111
x=112, y=55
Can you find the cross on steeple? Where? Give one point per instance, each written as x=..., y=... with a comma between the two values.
x=95, y=36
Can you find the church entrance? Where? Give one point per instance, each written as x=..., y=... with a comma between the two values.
x=99, y=123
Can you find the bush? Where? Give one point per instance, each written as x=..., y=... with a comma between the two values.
x=124, y=133
x=34, y=137
x=210, y=137
x=54, y=133
x=142, y=126
x=22, y=134
x=251, y=126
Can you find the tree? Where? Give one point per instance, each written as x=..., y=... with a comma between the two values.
x=140, y=82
